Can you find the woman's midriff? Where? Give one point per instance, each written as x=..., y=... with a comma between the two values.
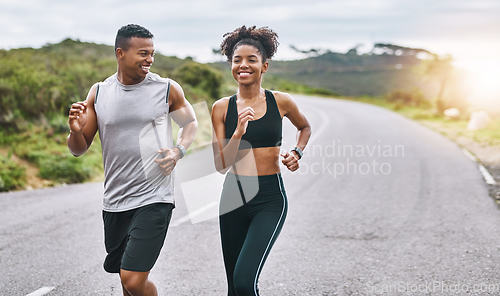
x=257, y=162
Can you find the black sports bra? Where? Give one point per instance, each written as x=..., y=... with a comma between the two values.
x=263, y=132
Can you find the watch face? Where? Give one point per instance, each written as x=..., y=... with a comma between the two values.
x=299, y=151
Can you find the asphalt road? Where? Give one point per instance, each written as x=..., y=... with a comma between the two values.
x=380, y=206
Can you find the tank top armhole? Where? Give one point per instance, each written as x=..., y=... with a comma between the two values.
x=228, y=118
x=272, y=102
x=168, y=92
x=230, y=106
x=96, y=93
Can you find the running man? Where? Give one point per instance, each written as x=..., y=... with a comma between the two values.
x=138, y=188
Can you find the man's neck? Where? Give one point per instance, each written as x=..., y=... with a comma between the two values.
x=127, y=80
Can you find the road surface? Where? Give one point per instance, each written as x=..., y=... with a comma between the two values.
x=380, y=206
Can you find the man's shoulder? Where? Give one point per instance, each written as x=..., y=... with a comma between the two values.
x=153, y=77
x=108, y=81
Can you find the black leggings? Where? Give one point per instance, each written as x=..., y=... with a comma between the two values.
x=249, y=231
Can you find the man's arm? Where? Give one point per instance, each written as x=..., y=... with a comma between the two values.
x=183, y=115
x=82, y=121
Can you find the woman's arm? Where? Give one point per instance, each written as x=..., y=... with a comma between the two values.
x=225, y=150
x=289, y=108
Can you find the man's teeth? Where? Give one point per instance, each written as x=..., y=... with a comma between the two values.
x=145, y=68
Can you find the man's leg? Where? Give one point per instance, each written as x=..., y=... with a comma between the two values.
x=136, y=283
x=148, y=231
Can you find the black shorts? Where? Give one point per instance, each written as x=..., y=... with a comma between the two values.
x=134, y=238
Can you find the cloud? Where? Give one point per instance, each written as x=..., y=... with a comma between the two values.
x=194, y=27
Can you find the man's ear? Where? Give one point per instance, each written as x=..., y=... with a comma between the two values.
x=119, y=53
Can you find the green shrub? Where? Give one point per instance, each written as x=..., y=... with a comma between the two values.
x=200, y=76
x=402, y=97
x=12, y=175
x=65, y=169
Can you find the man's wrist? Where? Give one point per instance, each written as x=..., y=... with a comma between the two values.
x=182, y=150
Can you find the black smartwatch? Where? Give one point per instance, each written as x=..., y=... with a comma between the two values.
x=298, y=151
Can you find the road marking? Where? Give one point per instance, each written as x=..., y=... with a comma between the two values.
x=486, y=175
x=469, y=155
x=324, y=123
x=193, y=214
x=41, y=291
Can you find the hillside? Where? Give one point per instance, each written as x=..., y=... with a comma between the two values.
x=386, y=68
x=37, y=88
x=44, y=82
x=353, y=74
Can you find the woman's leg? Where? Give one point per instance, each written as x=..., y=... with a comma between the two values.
x=262, y=233
x=233, y=230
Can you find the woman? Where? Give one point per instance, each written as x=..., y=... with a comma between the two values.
x=248, y=128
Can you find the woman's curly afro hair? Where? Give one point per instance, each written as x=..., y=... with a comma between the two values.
x=264, y=39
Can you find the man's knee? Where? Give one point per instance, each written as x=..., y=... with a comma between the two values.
x=134, y=282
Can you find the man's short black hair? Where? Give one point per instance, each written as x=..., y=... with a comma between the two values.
x=128, y=31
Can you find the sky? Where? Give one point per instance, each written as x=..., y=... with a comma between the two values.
x=469, y=30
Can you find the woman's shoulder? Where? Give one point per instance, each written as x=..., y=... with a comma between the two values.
x=221, y=102
x=220, y=105
x=282, y=98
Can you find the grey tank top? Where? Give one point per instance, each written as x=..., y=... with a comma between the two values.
x=134, y=123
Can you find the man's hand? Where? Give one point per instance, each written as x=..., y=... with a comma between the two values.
x=77, y=116
x=169, y=160
x=290, y=161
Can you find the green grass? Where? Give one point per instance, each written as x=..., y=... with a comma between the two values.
x=12, y=175
x=429, y=117
x=47, y=150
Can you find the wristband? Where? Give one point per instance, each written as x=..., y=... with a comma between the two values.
x=298, y=151
x=181, y=149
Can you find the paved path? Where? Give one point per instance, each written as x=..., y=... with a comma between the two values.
x=380, y=203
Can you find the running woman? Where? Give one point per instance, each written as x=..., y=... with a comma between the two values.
x=138, y=187
x=250, y=123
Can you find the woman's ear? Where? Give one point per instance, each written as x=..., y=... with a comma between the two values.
x=265, y=66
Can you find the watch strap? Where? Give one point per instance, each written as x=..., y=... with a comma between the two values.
x=298, y=151
x=181, y=149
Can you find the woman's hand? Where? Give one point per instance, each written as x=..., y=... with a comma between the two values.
x=244, y=116
x=290, y=161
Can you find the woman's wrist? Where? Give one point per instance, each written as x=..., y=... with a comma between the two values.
x=297, y=152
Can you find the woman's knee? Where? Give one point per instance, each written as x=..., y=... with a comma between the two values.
x=244, y=286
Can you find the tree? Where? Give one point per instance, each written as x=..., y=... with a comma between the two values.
x=313, y=52
x=201, y=76
x=440, y=69
x=391, y=49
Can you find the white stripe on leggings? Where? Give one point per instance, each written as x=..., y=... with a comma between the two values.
x=270, y=240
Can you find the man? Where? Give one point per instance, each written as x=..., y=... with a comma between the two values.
x=128, y=108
